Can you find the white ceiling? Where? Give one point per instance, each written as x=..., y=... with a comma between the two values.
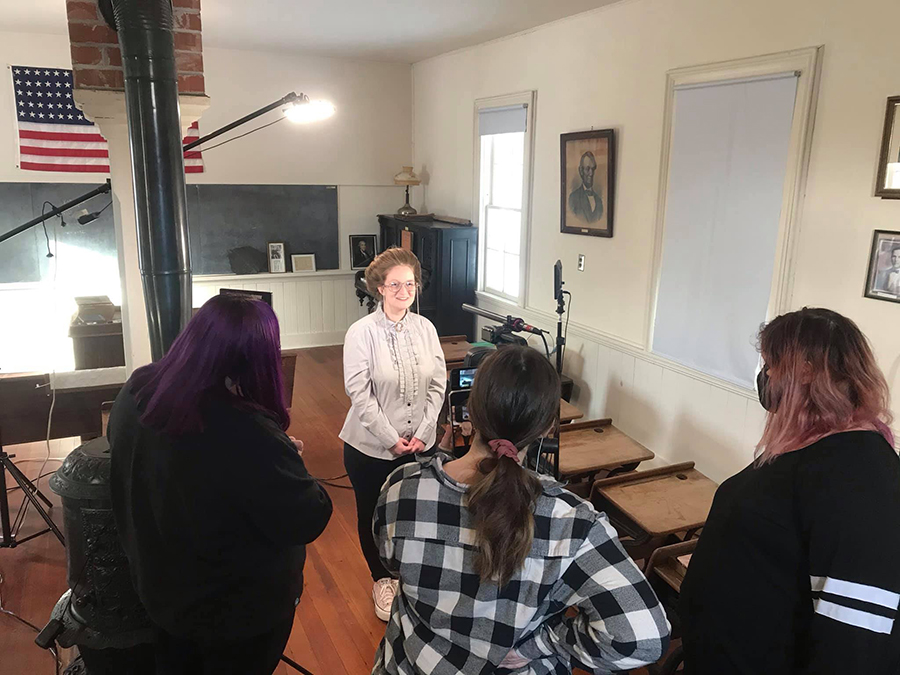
x=380, y=30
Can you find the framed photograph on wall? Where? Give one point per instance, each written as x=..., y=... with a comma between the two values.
x=362, y=250
x=883, y=278
x=587, y=182
x=887, y=184
x=276, y=257
x=303, y=262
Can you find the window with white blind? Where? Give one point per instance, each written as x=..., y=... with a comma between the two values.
x=736, y=147
x=504, y=178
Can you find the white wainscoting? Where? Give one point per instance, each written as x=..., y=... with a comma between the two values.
x=314, y=309
x=679, y=414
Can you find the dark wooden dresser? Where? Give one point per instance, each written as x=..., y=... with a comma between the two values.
x=448, y=251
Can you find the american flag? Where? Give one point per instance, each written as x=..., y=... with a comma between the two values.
x=53, y=133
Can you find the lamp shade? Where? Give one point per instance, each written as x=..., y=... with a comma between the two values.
x=406, y=177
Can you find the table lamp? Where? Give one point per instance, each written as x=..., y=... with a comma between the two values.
x=407, y=178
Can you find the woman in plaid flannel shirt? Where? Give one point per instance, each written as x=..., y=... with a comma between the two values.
x=491, y=557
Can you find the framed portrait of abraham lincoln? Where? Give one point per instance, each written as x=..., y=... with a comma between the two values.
x=587, y=182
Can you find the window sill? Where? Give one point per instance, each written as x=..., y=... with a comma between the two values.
x=499, y=299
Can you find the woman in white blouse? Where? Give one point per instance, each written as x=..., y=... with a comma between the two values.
x=395, y=376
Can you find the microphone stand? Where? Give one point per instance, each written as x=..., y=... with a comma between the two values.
x=105, y=188
x=56, y=211
x=560, y=340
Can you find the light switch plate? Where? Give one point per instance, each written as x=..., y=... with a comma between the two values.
x=581, y=262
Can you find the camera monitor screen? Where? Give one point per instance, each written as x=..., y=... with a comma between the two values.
x=461, y=379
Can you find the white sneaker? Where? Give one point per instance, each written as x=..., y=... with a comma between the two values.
x=383, y=593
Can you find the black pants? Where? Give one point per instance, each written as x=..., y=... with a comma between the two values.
x=367, y=475
x=257, y=655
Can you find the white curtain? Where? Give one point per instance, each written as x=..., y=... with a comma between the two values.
x=505, y=120
x=726, y=179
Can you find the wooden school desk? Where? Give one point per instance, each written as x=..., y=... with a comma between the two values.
x=589, y=448
x=568, y=412
x=455, y=349
x=650, y=505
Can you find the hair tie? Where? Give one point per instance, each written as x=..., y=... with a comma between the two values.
x=504, y=448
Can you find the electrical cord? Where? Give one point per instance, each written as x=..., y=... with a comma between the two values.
x=566, y=331
x=330, y=482
x=325, y=480
x=37, y=483
x=546, y=347
x=218, y=145
x=104, y=208
x=44, y=225
x=334, y=485
x=16, y=487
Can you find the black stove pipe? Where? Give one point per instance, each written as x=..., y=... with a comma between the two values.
x=154, y=127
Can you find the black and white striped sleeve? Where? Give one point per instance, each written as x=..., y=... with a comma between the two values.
x=851, y=516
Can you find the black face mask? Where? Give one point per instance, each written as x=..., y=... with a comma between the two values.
x=762, y=387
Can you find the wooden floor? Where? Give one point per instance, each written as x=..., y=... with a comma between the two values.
x=335, y=632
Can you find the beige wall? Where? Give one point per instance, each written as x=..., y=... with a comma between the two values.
x=607, y=69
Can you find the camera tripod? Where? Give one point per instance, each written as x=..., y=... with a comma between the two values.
x=33, y=497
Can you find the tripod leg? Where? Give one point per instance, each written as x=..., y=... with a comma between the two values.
x=4, y=510
x=30, y=492
x=21, y=477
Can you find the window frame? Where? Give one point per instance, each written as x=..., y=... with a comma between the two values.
x=527, y=99
x=807, y=63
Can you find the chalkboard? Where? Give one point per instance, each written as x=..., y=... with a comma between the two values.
x=231, y=217
x=221, y=218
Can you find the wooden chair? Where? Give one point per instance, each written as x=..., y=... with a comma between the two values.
x=665, y=571
x=670, y=563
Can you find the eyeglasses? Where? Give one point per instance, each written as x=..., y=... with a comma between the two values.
x=395, y=286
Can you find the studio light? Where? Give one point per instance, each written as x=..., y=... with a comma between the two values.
x=304, y=111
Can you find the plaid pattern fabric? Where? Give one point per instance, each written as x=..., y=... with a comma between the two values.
x=446, y=621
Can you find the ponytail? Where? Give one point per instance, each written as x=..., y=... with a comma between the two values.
x=515, y=397
x=502, y=508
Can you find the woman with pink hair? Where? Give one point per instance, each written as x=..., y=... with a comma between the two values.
x=797, y=570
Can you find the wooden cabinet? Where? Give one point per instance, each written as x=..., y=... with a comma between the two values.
x=448, y=252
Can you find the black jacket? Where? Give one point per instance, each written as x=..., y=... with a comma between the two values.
x=797, y=572
x=214, y=524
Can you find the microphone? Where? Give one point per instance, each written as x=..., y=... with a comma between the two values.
x=522, y=327
x=515, y=324
x=86, y=217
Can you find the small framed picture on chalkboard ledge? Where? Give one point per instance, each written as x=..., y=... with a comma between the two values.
x=276, y=257
x=303, y=262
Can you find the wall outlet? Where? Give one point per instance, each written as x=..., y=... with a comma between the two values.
x=581, y=262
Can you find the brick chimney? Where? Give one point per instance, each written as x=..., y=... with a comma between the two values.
x=97, y=61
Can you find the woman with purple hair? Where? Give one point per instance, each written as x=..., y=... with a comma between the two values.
x=212, y=501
